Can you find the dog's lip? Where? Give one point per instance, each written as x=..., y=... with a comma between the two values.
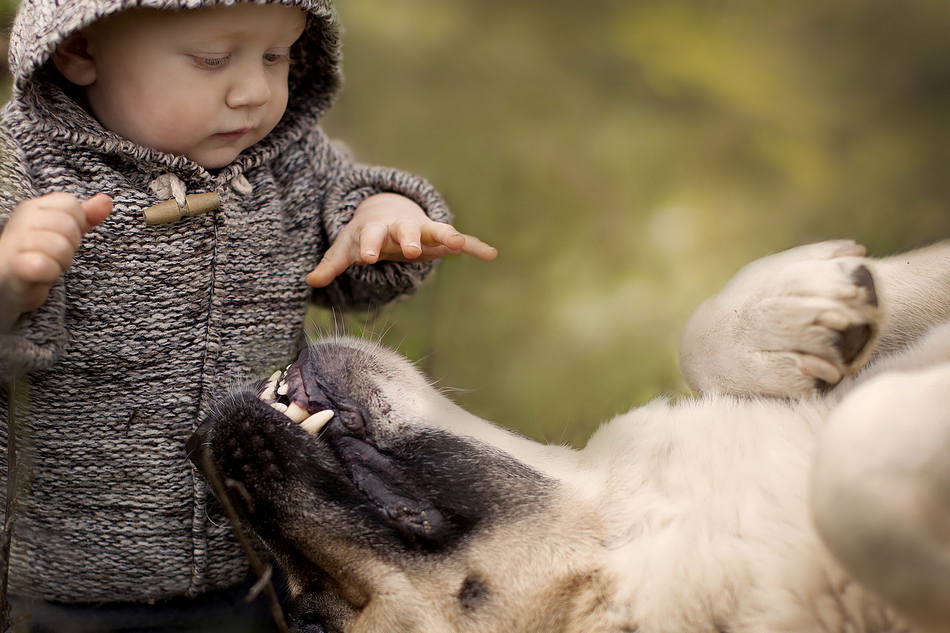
x=284, y=396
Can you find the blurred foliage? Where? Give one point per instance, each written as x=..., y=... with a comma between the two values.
x=626, y=157
x=7, y=8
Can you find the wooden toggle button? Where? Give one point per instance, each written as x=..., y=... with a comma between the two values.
x=169, y=211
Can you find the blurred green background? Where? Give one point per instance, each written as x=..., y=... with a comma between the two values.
x=626, y=157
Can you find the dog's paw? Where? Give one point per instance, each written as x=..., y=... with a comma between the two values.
x=787, y=325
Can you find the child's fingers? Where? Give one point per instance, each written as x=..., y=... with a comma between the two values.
x=37, y=246
x=37, y=268
x=373, y=241
x=61, y=209
x=440, y=234
x=408, y=236
x=437, y=234
x=324, y=273
x=478, y=248
x=54, y=227
x=44, y=250
x=64, y=212
x=96, y=209
x=42, y=232
x=338, y=258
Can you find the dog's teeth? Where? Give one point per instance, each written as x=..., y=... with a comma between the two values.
x=296, y=413
x=280, y=407
x=282, y=389
x=268, y=393
x=317, y=421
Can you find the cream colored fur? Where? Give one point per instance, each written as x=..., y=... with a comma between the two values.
x=880, y=478
x=827, y=510
x=774, y=328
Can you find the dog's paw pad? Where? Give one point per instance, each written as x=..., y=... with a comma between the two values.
x=853, y=340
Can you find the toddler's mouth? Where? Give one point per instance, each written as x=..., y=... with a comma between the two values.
x=235, y=134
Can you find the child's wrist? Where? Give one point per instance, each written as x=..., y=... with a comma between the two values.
x=11, y=307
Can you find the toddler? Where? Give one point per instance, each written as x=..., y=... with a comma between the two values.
x=165, y=192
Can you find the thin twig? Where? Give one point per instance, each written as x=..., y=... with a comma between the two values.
x=261, y=570
x=9, y=515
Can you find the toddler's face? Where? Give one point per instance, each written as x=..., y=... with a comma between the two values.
x=204, y=83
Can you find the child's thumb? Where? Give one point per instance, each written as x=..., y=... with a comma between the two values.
x=97, y=209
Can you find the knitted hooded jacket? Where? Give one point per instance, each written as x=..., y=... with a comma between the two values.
x=152, y=324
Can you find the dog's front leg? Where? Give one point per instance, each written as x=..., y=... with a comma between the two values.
x=917, y=288
x=786, y=325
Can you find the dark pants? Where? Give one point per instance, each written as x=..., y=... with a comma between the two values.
x=216, y=612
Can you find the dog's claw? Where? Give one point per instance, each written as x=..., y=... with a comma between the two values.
x=863, y=279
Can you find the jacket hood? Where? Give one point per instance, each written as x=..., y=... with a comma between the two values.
x=37, y=90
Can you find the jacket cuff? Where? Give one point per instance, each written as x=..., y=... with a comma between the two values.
x=369, y=287
x=39, y=340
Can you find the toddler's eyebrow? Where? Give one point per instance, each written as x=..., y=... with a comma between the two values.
x=227, y=37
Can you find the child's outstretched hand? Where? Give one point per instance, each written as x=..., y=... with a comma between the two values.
x=37, y=245
x=391, y=227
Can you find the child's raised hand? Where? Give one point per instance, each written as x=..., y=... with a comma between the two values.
x=37, y=245
x=391, y=227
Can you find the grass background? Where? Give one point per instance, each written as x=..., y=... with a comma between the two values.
x=626, y=157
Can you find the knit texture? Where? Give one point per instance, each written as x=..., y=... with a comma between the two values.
x=152, y=324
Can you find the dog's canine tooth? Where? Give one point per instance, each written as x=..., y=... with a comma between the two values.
x=280, y=407
x=268, y=393
x=317, y=421
x=296, y=413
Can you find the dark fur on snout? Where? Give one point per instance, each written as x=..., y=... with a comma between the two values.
x=370, y=489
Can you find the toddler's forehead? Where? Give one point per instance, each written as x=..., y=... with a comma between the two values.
x=237, y=19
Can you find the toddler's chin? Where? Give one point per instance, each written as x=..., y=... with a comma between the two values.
x=214, y=162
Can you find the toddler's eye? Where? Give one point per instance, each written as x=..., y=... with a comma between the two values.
x=211, y=62
x=277, y=58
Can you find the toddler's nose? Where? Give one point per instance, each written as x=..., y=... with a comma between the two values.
x=251, y=89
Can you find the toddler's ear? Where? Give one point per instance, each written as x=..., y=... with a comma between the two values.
x=73, y=61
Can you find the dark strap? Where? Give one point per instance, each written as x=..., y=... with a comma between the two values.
x=215, y=612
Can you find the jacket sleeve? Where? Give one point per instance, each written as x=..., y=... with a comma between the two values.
x=345, y=184
x=40, y=336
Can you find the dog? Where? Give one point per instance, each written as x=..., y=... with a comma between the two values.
x=822, y=507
